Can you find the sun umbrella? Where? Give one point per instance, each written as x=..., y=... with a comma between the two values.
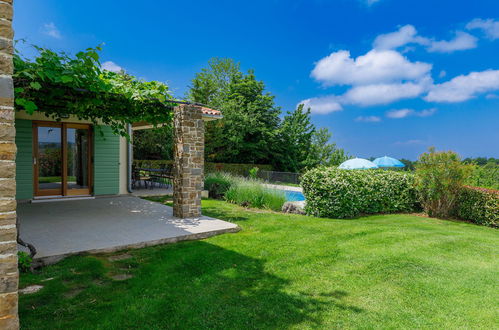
x=357, y=164
x=388, y=162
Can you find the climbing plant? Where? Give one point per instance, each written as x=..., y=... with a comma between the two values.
x=59, y=85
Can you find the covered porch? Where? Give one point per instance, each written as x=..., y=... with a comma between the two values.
x=107, y=224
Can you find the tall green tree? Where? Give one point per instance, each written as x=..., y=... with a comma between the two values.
x=322, y=152
x=247, y=131
x=155, y=143
x=295, y=139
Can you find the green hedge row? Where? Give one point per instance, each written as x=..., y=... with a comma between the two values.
x=336, y=193
x=479, y=205
x=235, y=169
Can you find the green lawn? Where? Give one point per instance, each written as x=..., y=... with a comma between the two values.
x=283, y=271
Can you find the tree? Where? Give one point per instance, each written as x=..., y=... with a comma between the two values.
x=324, y=153
x=295, y=140
x=409, y=164
x=211, y=86
x=155, y=143
x=247, y=131
x=439, y=178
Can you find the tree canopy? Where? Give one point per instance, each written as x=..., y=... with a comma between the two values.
x=251, y=118
x=252, y=130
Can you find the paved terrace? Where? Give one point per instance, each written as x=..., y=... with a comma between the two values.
x=108, y=224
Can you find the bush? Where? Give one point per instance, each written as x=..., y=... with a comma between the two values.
x=479, y=205
x=486, y=176
x=439, y=179
x=218, y=183
x=235, y=169
x=252, y=193
x=24, y=261
x=336, y=193
x=253, y=173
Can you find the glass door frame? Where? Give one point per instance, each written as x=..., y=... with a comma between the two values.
x=64, y=191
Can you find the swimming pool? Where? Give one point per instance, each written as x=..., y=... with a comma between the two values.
x=293, y=196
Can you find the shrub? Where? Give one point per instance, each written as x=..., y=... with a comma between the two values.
x=439, y=178
x=479, y=205
x=253, y=173
x=218, y=183
x=235, y=169
x=332, y=192
x=252, y=193
x=486, y=176
x=24, y=261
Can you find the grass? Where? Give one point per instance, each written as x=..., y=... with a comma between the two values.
x=243, y=191
x=283, y=271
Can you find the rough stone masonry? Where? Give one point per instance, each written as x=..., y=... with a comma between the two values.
x=189, y=161
x=8, y=247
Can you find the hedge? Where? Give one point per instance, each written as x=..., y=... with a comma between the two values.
x=479, y=205
x=336, y=193
x=236, y=169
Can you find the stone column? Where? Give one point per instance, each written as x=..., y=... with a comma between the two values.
x=188, y=161
x=8, y=246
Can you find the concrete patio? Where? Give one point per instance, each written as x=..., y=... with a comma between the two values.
x=107, y=224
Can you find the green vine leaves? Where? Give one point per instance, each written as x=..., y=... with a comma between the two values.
x=60, y=85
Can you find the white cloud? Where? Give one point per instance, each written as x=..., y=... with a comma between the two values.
x=406, y=34
x=367, y=95
x=397, y=114
x=377, y=66
x=384, y=93
x=111, y=66
x=402, y=113
x=368, y=119
x=426, y=112
x=461, y=41
x=369, y=3
x=410, y=142
x=51, y=30
x=322, y=105
x=464, y=87
x=489, y=26
x=492, y=96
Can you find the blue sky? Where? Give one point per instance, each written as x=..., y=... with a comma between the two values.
x=387, y=77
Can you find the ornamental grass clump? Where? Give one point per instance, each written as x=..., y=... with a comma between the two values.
x=243, y=191
x=440, y=177
x=252, y=193
x=337, y=193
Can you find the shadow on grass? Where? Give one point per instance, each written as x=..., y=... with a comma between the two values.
x=186, y=285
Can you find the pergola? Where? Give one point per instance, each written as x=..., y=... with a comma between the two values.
x=188, y=168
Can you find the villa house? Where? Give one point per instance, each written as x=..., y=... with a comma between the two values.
x=72, y=158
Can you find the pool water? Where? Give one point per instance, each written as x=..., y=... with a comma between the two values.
x=294, y=196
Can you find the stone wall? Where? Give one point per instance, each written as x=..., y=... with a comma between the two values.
x=189, y=161
x=8, y=247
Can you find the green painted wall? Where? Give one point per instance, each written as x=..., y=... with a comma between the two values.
x=106, y=162
x=24, y=159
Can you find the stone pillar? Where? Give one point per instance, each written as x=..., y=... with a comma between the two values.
x=188, y=161
x=8, y=247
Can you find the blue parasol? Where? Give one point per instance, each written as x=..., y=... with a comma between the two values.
x=357, y=164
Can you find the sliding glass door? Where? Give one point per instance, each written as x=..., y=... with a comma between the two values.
x=78, y=159
x=62, y=159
